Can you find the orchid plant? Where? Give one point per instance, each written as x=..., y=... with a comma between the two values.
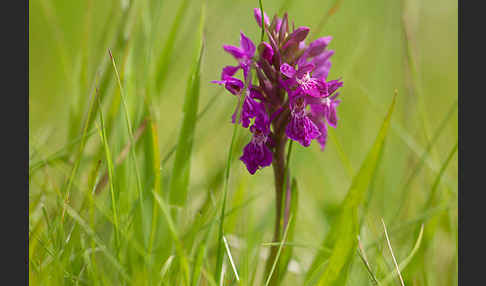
x=291, y=97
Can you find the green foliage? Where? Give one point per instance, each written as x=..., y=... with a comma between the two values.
x=342, y=238
x=125, y=189
x=182, y=163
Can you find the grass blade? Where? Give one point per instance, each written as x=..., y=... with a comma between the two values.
x=110, y=168
x=163, y=63
x=77, y=218
x=407, y=260
x=200, y=255
x=425, y=154
x=130, y=132
x=81, y=148
x=231, y=258
x=292, y=212
x=219, y=253
x=182, y=166
x=362, y=255
x=278, y=253
x=342, y=236
x=175, y=237
x=393, y=255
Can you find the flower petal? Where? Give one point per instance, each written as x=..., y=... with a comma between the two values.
x=322, y=139
x=287, y=70
x=302, y=130
x=258, y=17
x=299, y=34
x=318, y=46
x=333, y=85
x=250, y=109
x=256, y=156
x=322, y=71
x=233, y=85
x=266, y=51
x=234, y=51
x=247, y=45
x=229, y=71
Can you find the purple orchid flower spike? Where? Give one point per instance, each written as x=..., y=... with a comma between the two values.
x=300, y=127
x=257, y=154
x=244, y=54
x=292, y=98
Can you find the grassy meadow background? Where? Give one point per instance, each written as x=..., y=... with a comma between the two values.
x=101, y=211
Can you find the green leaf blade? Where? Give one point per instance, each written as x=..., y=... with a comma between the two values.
x=342, y=236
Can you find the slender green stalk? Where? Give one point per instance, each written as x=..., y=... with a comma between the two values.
x=219, y=252
x=263, y=20
x=278, y=254
x=286, y=188
x=110, y=167
x=81, y=149
x=130, y=132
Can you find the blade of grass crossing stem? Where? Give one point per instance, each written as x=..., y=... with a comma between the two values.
x=110, y=168
x=342, y=235
x=182, y=164
x=163, y=63
x=284, y=239
x=130, y=133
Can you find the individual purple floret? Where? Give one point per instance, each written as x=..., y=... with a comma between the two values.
x=292, y=97
x=302, y=80
x=243, y=54
x=257, y=154
x=300, y=128
x=232, y=84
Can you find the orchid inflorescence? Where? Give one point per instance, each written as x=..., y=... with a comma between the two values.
x=285, y=65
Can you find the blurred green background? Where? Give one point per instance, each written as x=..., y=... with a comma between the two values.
x=380, y=46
